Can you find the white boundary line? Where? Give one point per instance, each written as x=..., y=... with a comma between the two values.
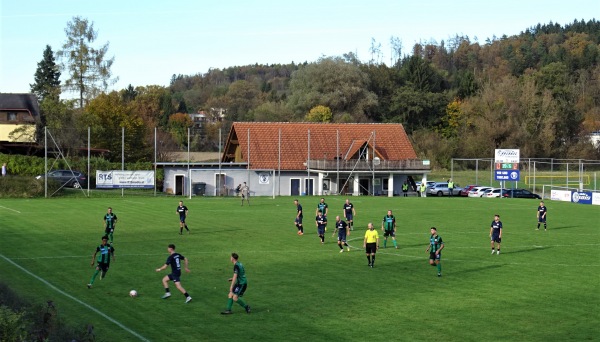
x=142, y=338
x=16, y=211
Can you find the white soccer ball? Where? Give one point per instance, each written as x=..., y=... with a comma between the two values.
x=133, y=293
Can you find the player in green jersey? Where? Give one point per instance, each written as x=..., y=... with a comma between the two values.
x=435, y=250
x=388, y=227
x=110, y=221
x=106, y=251
x=238, y=286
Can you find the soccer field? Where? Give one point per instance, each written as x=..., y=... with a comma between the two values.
x=543, y=287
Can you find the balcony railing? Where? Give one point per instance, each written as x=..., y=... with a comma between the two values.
x=364, y=165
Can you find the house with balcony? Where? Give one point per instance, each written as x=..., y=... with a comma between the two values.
x=301, y=158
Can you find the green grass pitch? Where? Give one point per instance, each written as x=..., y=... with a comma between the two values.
x=543, y=287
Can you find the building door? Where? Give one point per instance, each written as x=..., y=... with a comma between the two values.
x=295, y=187
x=364, y=186
x=308, y=185
x=179, y=184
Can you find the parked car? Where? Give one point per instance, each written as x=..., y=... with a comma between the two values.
x=520, y=193
x=428, y=184
x=465, y=191
x=441, y=189
x=478, y=191
x=68, y=178
x=497, y=192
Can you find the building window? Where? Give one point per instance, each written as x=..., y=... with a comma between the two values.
x=11, y=116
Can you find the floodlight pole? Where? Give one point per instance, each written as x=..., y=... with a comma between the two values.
x=88, y=161
x=189, y=171
x=122, y=156
x=45, y=161
x=154, y=161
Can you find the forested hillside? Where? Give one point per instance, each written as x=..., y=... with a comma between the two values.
x=538, y=91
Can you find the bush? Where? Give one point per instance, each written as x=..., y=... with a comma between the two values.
x=25, y=187
x=13, y=326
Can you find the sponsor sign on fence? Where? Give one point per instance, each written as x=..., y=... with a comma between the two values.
x=117, y=179
x=581, y=197
x=596, y=198
x=560, y=195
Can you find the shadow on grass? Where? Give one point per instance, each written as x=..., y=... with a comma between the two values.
x=527, y=250
x=562, y=227
x=478, y=269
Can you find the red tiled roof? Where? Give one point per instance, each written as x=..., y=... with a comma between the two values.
x=390, y=142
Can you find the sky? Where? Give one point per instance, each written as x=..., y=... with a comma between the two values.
x=152, y=40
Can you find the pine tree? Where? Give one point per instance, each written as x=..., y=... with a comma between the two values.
x=47, y=76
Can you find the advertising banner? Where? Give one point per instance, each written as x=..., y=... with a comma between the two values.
x=117, y=179
x=596, y=198
x=581, y=197
x=560, y=195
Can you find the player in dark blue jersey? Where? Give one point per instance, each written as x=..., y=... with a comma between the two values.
x=496, y=233
x=349, y=213
x=182, y=210
x=435, y=250
x=298, y=220
x=342, y=229
x=541, y=215
x=104, y=252
x=174, y=260
x=321, y=223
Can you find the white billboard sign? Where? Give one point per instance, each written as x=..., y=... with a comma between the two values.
x=117, y=179
x=560, y=195
x=507, y=155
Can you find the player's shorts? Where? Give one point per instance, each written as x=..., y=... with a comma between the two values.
x=182, y=218
x=389, y=233
x=342, y=236
x=432, y=256
x=349, y=217
x=496, y=238
x=321, y=230
x=542, y=219
x=103, y=266
x=239, y=289
x=371, y=248
x=174, y=277
x=298, y=221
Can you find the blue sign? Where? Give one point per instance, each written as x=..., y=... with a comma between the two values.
x=582, y=197
x=507, y=175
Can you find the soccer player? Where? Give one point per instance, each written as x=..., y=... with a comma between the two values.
x=541, y=215
x=342, y=228
x=349, y=213
x=388, y=227
x=371, y=244
x=321, y=223
x=110, y=221
x=435, y=250
x=106, y=251
x=238, y=286
x=496, y=232
x=322, y=207
x=182, y=210
x=298, y=220
x=174, y=260
x=245, y=190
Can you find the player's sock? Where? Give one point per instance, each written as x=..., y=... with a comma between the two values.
x=384, y=243
x=110, y=237
x=369, y=258
x=167, y=290
x=439, y=268
x=186, y=295
x=538, y=226
x=340, y=246
x=241, y=302
x=186, y=228
x=180, y=230
x=229, y=304
x=94, y=276
x=372, y=259
x=545, y=226
x=395, y=243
